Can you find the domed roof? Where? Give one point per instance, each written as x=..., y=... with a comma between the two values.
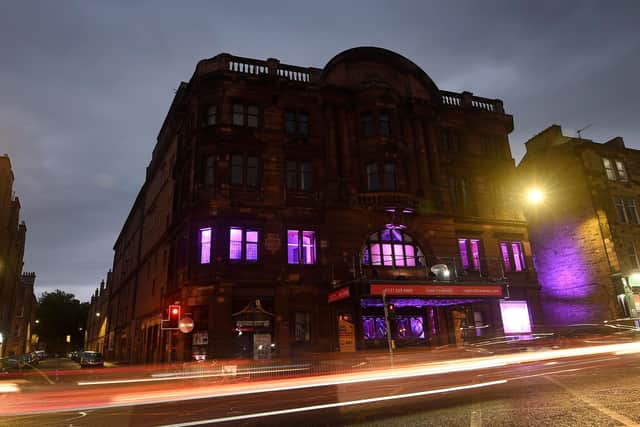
x=379, y=56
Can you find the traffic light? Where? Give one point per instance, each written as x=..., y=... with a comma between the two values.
x=174, y=316
x=391, y=310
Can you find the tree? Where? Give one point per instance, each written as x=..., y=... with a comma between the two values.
x=61, y=314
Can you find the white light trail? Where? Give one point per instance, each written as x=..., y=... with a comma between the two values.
x=335, y=405
x=9, y=388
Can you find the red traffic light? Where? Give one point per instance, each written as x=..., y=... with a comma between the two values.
x=174, y=311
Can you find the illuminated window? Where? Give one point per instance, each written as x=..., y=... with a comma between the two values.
x=205, y=245
x=301, y=247
x=392, y=248
x=512, y=256
x=243, y=244
x=469, y=254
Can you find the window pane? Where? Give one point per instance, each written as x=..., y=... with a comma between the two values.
x=410, y=255
x=366, y=259
x=209, y=171
x=293, y=246
x=619, y=201
x=238, y=114
x=518, y=256
x=306, y=176
x=632, y=212
x=373, y=180
x=211, y=115
x=375, y=254
x=252, y=171
x=387, y=256
x=205, y=245
x=506, y=261
x=292, y=175
x=464, y=255
x=622, y=172
x=252, y=116
x=252, y=252
x=235, y=243
x=398, y=255
x=366, y=123
x=475, y=254
x=390, y=177
x=385, y=124
x=290, y=122
x=237, y=162
x=303, y=123
x=309, y=246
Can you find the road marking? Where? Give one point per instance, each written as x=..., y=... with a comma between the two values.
x=595, y=405
x=42, y=374
x=334, y=405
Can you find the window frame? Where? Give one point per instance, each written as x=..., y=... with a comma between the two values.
x=377, y=239
x=366, y=124
x=299, y=120
x=245, y=169
x=384, y=126
x=620, y=206
x=621, y=171
x=244, y=244
x=509, y=264
x=301, y=247
x=295, y=176
x=208, y=115
x=202, y=259
x=242, y=114
x=468, y=258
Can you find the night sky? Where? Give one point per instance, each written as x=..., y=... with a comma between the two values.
x=85, y=86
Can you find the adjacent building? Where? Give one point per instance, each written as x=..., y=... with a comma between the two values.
x=96, y=327
x=283, y=204
x=24, y=316
x=586, y=233
x=12, y=242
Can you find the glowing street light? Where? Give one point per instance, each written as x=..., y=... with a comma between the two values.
x=535, y=196
x=37, y=320
x=98, y=314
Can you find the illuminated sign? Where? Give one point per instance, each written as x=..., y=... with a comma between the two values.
x=339, y=294
x=515, y=317
x=437, y=290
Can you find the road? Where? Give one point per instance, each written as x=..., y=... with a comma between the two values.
x=596, y=386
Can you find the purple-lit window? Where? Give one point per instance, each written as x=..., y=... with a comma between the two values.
x=205, y=245
x=512, y=256
x=392, y=248
x=469, y=254
x=301, y=247
x=374, y=327
x=515, y=317
x=243, y=244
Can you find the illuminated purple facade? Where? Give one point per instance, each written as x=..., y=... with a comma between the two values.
x=584, y=246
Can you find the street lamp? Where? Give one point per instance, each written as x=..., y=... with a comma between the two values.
x=98, y=314
x=535, y=196
x=37, y=320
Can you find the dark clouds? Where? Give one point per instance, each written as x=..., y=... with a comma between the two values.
x=84, y=87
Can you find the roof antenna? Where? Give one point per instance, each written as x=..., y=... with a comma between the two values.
x=580, y=130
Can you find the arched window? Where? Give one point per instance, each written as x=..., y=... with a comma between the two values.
x=392, y=248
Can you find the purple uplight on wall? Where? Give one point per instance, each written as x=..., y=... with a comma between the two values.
x=515, y=317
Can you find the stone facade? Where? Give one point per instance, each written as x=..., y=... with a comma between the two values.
x=585, y=245
x=12, y=242
x=314, y=164
x=96, y=327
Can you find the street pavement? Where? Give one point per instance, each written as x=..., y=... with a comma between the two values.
x=596, y=389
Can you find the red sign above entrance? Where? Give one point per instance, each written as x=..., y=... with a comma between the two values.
x=339, y=294
x=437, y=290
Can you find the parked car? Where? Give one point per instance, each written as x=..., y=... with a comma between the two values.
x=40, y=354
x=9, y=364
x=27, y=359
x=91, y=358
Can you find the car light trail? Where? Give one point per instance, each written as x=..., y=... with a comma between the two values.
x=335, y=405
x=9, y=387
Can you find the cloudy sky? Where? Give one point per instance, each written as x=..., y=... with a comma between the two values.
x=84, y=87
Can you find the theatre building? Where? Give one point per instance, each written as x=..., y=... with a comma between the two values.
x=284, y=204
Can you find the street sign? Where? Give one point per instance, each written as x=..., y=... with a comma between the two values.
x=185, y=325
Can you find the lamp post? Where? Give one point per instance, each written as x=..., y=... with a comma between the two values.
x=386, y=319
